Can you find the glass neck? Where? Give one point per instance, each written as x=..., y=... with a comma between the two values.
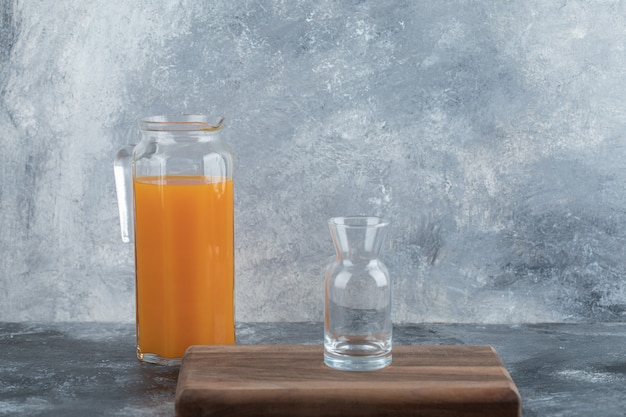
x=358, y=238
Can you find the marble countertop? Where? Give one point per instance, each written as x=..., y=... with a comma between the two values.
x=79, y=369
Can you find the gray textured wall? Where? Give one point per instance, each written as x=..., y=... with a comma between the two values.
x=490, y=133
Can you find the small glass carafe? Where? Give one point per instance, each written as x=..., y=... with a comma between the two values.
x=175, y=195
x=357, y=314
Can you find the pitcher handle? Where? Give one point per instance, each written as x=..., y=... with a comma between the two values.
x=122, y=168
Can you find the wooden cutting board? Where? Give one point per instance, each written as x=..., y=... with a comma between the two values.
x=292, y=380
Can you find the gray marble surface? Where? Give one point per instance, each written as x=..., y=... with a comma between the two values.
x=491, y=133
x=79, y=369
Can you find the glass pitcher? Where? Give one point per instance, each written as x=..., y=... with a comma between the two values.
x=175, y=196
x=357, y=314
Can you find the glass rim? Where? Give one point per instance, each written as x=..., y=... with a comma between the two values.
x=181, y=123
x=358, y=221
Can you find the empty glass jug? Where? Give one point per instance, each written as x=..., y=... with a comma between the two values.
x=357, y=314
x=175, y=196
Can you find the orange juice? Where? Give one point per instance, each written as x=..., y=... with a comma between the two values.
x=184, y=245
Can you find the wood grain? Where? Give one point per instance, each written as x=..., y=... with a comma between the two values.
x=292, y=380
